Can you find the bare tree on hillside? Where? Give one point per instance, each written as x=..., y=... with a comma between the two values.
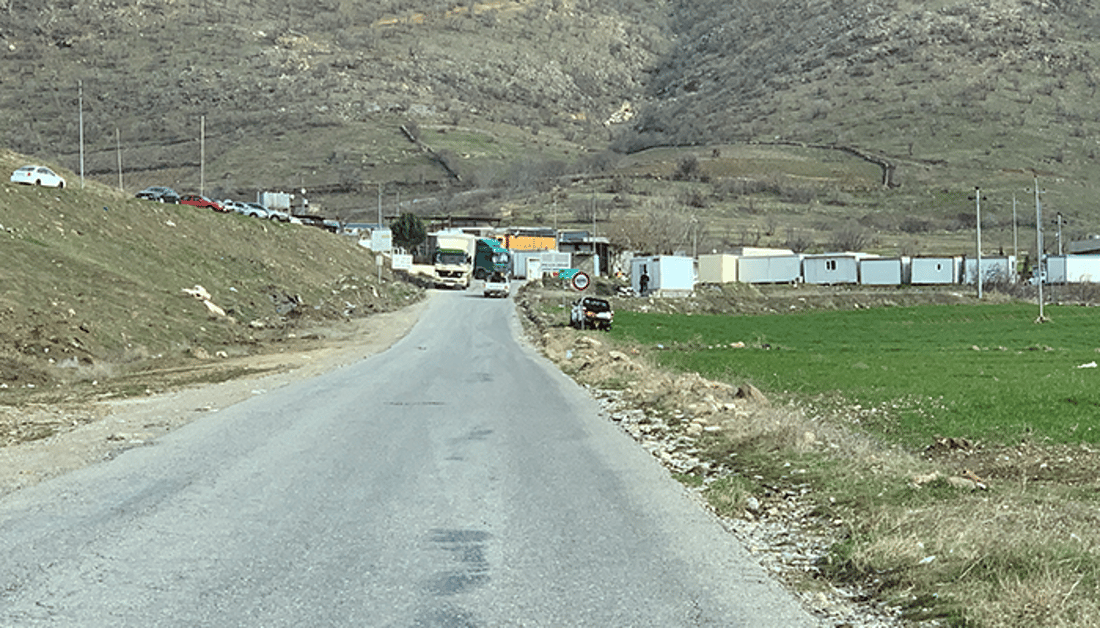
x=797, y=241
x=660, y=228
x=850, y=237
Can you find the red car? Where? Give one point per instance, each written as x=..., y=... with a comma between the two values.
x=202, y=201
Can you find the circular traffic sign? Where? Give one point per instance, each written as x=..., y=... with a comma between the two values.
x=580, y=281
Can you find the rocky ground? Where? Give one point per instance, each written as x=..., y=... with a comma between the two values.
x=43, y=438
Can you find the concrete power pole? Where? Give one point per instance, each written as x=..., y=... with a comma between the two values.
x=81, y=99
x=1039, y=246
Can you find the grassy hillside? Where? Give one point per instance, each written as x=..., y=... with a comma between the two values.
x=93, y=282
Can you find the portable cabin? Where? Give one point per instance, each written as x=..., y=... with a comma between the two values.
x=723, y=267
x=933, y=270
x=759, y=251
x=883, y=271
x=998, y=268
x=831, y=268
x=519, y=262
x=717, y=268
x=1073, y=268
x=663, y=275
x=769, y=269
x=533, y=268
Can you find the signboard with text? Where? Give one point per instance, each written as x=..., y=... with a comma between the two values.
x=401, y=261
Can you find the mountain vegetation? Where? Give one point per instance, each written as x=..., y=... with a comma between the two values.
x=808, y=121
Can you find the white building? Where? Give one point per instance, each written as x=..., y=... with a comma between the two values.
x=994, y=269
x=663, y=275
x=883, y=271
x=934, y=270
x=831, y=268
x=1073, y=269
x=770, y=269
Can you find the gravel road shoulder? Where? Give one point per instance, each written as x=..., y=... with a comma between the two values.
x=85, y=433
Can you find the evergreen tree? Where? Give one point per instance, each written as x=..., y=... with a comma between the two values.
x=408, y=231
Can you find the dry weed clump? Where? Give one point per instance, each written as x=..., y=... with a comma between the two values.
x=1008, y=557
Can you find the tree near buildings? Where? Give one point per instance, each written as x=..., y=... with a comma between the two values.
x=408, y=231
x=660, y=228
x=850, y=236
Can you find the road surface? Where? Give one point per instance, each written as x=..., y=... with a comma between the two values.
x=456, y=480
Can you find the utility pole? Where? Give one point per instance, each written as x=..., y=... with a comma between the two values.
x=695, y=237
x=1041, y=272
x=1015, y=235
x=202, y=156
x=118, y=152
x=1059, y=234
x=978, y=209
x=80, y=98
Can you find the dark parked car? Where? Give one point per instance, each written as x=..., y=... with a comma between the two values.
x=591, y=313
x=202, y=201
x=160, y=194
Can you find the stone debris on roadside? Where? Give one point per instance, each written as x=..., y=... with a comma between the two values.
x=779, y=530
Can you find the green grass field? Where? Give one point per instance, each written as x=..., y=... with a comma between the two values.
x=977, y=371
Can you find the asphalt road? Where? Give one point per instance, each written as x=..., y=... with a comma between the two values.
x=456, y=480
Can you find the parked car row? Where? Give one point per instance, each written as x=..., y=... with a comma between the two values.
x=38, y=176
x=42, y=176
x=163, y=194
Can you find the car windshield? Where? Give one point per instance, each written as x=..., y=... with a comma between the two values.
x=597, y=305
x=451, y=257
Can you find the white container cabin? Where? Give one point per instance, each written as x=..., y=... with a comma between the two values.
x=717, y=268
x=934, y=270
x=769, y=269
x=1073, y=268
x=519, y=262
x=883, y=271
x=831, y=268
x=663, y=275
x=996, y=268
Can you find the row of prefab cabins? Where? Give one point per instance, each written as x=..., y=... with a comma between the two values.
x=674, y=275
x=536, y=252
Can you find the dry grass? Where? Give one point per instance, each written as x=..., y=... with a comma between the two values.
x=1023, y=551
